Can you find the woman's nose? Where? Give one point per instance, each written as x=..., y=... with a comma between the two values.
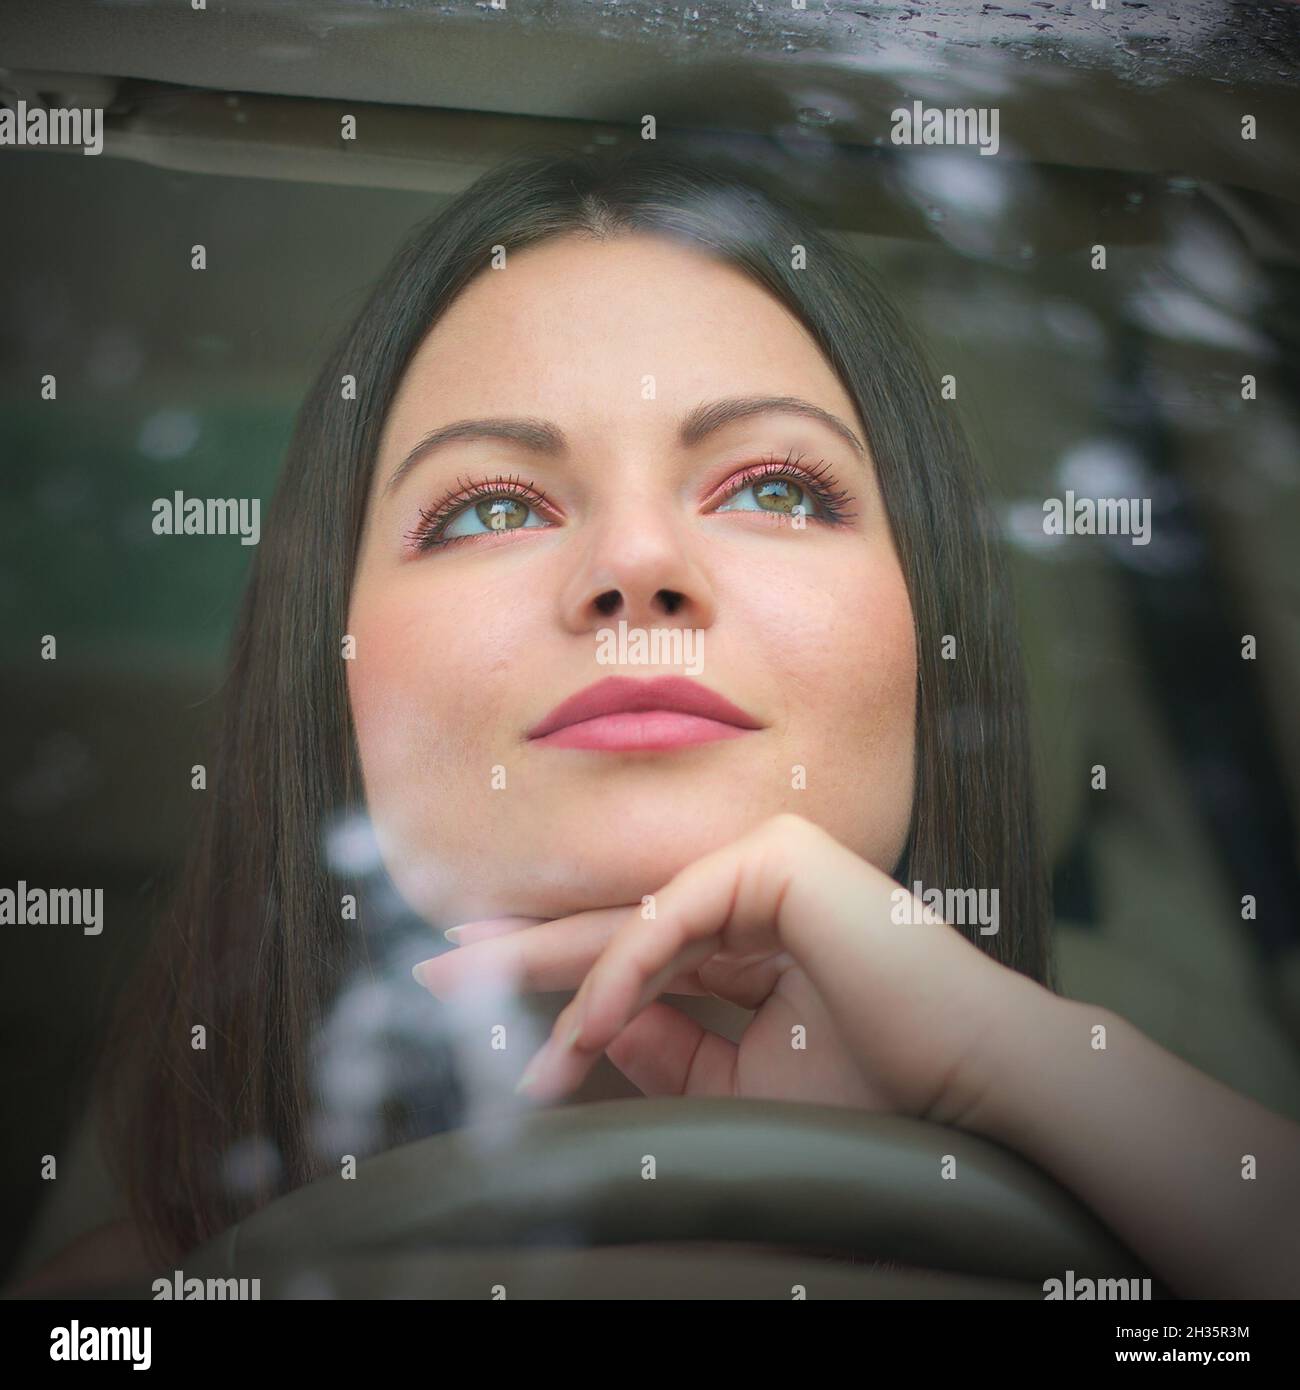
x=638, y=568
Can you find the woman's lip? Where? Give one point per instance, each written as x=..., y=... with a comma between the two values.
x=624, y=695
x=641, y=731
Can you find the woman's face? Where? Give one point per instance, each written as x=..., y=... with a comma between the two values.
x=621, y=523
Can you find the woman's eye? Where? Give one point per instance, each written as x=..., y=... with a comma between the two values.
x=493, y=514
x=781, y=495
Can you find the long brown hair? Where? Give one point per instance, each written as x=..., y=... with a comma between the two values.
x=253, y=948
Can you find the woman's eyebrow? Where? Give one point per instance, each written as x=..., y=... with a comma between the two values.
x=542, y=437
x=705, y=419
x=537, y=435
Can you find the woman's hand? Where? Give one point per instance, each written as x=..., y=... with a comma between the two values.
x=850, y=1005
x=910, y=1017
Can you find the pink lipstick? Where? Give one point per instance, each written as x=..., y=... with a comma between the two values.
x=624, y=715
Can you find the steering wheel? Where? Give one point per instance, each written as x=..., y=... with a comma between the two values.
x=588, y=1200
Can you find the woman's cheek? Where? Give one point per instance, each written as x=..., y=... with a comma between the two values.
x=886, y=666
x=439, y=691
x=408, y=685
x=842, y=653
x=840, y=640
x=421, y=710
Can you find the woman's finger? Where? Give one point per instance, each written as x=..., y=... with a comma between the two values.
x=563, y=1063
x=551, y=956
x=469, y=932
x=730, y=898
x=664, y=1053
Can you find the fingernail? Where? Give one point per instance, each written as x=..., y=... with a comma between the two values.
x=453, y=934
x=417, y=973
x=578, y=1012
x=535, y=1068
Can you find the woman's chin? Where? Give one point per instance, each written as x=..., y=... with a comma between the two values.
x=576, y=859
x=560, y=887
x=557, y=875
x=611, y=863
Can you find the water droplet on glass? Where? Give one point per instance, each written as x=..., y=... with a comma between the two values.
x=168, y=434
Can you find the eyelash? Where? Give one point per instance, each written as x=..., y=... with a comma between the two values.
x=831, y=499
x=427, y=534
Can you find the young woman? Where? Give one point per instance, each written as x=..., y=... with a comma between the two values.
x=634, y=400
